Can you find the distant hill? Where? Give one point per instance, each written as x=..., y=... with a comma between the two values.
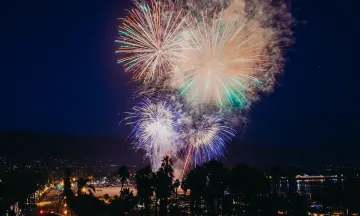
x=27, y=145
x=307, y=156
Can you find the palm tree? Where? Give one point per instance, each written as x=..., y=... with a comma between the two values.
x=184, y=187
x=164, y=184
x=123, y=173
x=67, y=184
x=196, y=181
x=216, y=175
x=83, y=184
x=176, y=186
x=144, y=186
x=127, y=193
x=124, y=204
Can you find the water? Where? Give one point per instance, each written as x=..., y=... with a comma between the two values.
x=304, y=187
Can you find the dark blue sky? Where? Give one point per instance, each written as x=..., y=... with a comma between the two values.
x=59, y=74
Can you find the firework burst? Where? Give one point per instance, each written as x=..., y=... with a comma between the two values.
x=224, y=60
x=201, y=63
x=154, y=130
x=207, y=138
x=149, y=39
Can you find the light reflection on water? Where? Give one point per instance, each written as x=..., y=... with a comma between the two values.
x=304, y=187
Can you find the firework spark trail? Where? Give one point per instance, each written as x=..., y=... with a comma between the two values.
x=186, y=161
x=154, y=130
x=149, y=39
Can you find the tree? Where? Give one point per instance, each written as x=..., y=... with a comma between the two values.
x=67, y=184
x=123, y=173
x=298, y=205
x=266, y=205
x=216, y=175
x=164, y=184
x=144, y=186
x=184, y=187
x=196, y=181
x=84, y=204
x=351, y=193
x=176, y=186
x=124, y=204
x=246, y=183
x=127, y=193
x=174, y=210
x=115, y=197
x=16, y=187
x=83, y=184
x=106, y=197
x=332, y=195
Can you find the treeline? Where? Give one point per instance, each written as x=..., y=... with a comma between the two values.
x=213, y=190
x=17, y=186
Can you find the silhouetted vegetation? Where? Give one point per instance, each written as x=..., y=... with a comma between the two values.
x=144, y=185
x=123, y=173
x=339, y=196
x=83, y=186
x=17, y=186
x=214, y=190
x=163, y=184
x=123, y=204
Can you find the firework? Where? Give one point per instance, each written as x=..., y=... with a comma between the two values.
x=228, y=56
x=149, y=39
x=200, y=62
x=221, y=61
x=154, y=130
x=207, y=138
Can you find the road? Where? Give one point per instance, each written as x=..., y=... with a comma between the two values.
x=51, y=202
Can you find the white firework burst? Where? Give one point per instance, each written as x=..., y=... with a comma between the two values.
x=154, y=130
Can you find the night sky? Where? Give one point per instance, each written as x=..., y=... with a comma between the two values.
x=58, y=75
